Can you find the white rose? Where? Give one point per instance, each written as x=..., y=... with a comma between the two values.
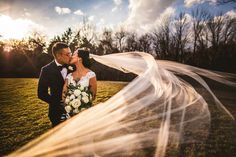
x=85, y=99
x=76, y=110
x=67, y=100
x=77, y=92
x=72, y=97
x=72, y=103
x=84, y=94
x=81, y=87
x=76, y=103
x=68, y=109
x=79, y=97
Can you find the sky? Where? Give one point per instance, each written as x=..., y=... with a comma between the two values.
x=19, y=18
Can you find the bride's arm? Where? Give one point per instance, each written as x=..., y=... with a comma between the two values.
x=64, y=90
x=93, y=86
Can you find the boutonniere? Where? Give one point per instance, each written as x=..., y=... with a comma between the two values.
x=71, y=68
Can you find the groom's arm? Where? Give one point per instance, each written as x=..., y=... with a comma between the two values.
x=43, y=87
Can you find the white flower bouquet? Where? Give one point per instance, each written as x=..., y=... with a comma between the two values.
x=77, y=99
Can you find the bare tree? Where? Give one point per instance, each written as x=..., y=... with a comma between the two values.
x=180, y=36
x=144, y=43
x=120, y=38
x=229, y=30
x=131, y=42
x=199, y=19
x=161, y=39
x=106, y=42
x=87, y=34
x=215, y=25
x=37, y=43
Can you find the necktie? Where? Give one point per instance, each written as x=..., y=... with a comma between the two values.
x=61, y=67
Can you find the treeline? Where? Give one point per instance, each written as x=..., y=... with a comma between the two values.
x=199, y=38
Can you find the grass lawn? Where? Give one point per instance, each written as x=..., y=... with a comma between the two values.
x=23, y=117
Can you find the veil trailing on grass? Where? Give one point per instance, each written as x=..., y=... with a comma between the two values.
x=156, y=111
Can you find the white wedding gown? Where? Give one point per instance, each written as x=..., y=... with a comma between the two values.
x=84, y=80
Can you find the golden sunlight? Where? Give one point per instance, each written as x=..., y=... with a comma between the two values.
x=16, y=28
x=7, y=48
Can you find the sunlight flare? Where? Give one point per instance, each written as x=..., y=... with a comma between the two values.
x=16, y=28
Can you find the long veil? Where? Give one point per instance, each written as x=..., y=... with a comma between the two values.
x=155, y=111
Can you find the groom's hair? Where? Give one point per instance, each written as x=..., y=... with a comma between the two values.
x=57, y=47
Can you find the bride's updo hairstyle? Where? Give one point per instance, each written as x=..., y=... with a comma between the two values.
x=84, y=54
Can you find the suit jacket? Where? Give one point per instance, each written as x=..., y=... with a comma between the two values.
x=51, y=78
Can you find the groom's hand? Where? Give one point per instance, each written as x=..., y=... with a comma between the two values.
x=43, y=87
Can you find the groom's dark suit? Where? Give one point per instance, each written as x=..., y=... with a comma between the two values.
x=51, y=78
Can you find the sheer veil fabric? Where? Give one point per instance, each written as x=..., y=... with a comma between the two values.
x=155, y=111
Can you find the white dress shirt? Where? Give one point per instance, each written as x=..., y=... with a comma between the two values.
x=63, y=71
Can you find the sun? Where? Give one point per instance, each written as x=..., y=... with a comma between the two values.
x=15, y=28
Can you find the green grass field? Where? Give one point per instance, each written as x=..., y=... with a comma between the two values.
x=23, y=117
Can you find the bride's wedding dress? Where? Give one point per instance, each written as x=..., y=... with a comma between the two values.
x=157, y=109
x=84, y=80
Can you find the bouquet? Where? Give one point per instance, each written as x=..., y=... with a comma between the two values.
x=78, y=98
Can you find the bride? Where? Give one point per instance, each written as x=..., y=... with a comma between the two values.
x=83, y=77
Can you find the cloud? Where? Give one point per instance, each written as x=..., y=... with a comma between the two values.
x=27, y=14
x=117, y=5
x=102, y=21
x=79, y=12
x=231, y=13
x=117, y=2
x=190, y=3
x=17, y=28
x=114, y=9
x=144, y=14
x=62, y=11
x=97, y=6
x=168, y=12
x=91, y=18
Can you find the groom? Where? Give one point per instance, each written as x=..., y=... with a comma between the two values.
x=52, y=77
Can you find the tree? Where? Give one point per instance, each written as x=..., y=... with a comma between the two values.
x=229, y=30
x=106, y=42
x=199, y=18
x=162, y=39
x=215, y=25
x=131, y=42
x=144, y=43
x=37, y=43
x=120, y=38
x=51, y=43
x=180, y=36
x=87, y=33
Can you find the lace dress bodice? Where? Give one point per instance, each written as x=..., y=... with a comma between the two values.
x=84, y=80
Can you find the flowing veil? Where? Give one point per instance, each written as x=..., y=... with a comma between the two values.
x=156, y=111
